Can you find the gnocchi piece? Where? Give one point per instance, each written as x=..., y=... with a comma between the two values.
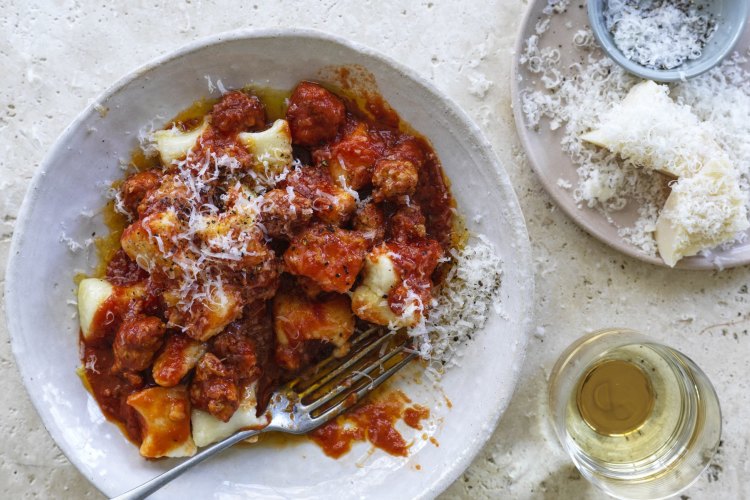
x=207, y=316
x=165, y=419
x=271, y=149
x=174, y=144
x=208, y=429
x=97, y=299
x=370, y=298
x=179, y=356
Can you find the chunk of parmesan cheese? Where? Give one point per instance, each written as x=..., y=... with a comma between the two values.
x=174, y=144
x=651, y=130
x=702, y=211
x=208, y=429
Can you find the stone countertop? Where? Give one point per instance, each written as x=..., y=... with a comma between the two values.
x=58, y=55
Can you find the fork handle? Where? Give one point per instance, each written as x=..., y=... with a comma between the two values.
x=159, y=481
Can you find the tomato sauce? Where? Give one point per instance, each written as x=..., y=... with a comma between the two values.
x=374, y=421
x=111, y=390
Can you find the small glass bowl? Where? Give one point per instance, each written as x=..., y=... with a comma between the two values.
x=671, y=449
x=730, y=15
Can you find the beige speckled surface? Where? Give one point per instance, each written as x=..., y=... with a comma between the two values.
x=58, y=55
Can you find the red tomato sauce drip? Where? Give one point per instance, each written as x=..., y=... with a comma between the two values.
x=374, y=421
x=413, y=416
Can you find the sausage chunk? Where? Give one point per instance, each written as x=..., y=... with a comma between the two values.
x=237, y=350
x=283, y=212
x=415, y=262
x=330, y=256
x=135, y=188
x=314, y=114
x=408, y=223
x=351, y=159
x=214, y=388
x=370, y=221
x=330, y=203
x=136, y=342
x=394, y=178
x=123, y=271
x=408, y=149
x=236, y=112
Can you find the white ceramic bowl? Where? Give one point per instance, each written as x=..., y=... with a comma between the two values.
x=73, y=179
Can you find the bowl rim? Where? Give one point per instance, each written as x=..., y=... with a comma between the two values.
x=522, y=255
x=595, y=12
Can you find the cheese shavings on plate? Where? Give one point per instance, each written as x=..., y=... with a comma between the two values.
x=468, y=296
x=575, y=91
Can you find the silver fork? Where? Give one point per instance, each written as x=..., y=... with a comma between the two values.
x=310, y=400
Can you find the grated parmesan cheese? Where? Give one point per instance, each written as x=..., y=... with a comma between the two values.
x=659, y=34
x=469, y=294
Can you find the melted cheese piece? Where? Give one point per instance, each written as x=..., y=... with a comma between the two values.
x=272, y=148
x=702, y=211
x=165, y=415
x=652, y=131
x=174, y=144
x=208, y=429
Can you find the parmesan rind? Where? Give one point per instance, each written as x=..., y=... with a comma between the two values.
x=92, y=294
x=272, y=148
x=174, y=144
x=702, y=211
x=208, y=429
x=649, y=129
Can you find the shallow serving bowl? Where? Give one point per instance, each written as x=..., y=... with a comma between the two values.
x=70, y=185
x=730, y=15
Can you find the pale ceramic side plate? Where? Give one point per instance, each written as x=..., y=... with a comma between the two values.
x=70, y=185
x=551, y=163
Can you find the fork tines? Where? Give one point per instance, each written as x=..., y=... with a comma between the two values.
x=337, y=384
